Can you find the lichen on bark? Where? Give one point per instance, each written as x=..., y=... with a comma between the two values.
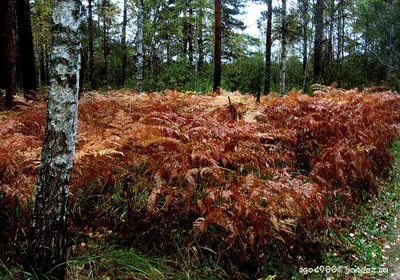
x=47, y=244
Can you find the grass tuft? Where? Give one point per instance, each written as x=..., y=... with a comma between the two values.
x=99, y=261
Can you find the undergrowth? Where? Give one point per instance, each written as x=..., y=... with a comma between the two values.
x=369, y=247
x=209, y=181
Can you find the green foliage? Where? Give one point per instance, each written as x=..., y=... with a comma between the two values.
x=245, y=74
x=110, y=262
x=169, y=29
x=41, y=31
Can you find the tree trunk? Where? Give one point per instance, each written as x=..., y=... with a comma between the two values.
x=139, y=65
x=268, y=45
x=185, y=33
x=190, y=32
x=82, y=71
x=217, y=45
x=105, y=41
x=391, y=39
x=328, y=73
x=339, y=30
x=305, y=17
x=7, y=57
x=168, y=49
x=47, y=238
x=340, y=44
x=47, y=63
x=91, y=46
x=319, y=25
x=26, y=47
x=123, y=43
x=43, y=72
x=283, y=50
x=200, y=40
x=331, y=54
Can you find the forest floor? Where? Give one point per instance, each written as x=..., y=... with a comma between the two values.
x=186, y=186
x=394, y=253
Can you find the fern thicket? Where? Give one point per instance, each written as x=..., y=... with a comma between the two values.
x=259, y=173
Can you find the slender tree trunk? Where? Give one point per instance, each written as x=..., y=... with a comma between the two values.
x=168, y=47
x=185, y=33
x=217, y=45
x=319, y=25
x=105, y=40
x=7, y=56
x=268, y=45
x=340, y=45
x=328, y=73
x=43, y=75
x=91, y=45
x=339, y=31
x=40, y=79
x=200, y=40
x=26, y=48
x=82, y=71
x=331, y=27
x=139, y=65
x=47, y=54
x=305, y=17
x=151, y=67
x=391, y=39
x=190, y=32
x=123, y=43
x=47, y=238
x=283, y=50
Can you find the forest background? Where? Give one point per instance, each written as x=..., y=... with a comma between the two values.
x=156, y=45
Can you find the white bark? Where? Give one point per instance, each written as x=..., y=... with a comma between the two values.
x=50, y=221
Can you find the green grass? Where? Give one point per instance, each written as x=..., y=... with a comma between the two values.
x=370, y=243
x=97, y=260
x=100, y=261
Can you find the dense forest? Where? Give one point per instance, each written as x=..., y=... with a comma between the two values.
x=170, y=172
x=198, y=45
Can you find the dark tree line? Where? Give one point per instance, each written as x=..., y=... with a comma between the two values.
x=7, y=54
x=13, y=11
x=199, y=45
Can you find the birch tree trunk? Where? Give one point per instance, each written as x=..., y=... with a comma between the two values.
x=47, y=239
x=139, y=65
x=283, y=50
